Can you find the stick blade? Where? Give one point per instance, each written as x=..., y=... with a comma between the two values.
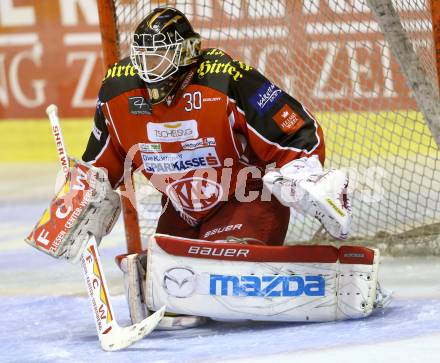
x=122, y=337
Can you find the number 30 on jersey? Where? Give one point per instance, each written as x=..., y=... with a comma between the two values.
x=193, y=101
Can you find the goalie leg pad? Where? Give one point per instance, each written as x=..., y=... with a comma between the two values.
x=134, y=276
x=133, y=268
x=235, y=281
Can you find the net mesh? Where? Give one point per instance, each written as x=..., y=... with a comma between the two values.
x=332, y=56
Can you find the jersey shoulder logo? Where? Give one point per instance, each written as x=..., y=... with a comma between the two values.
x=120, y=78
x=288, y=120
x=217, y=63
x=119, y=71
x=216, y=70
x=265, y=97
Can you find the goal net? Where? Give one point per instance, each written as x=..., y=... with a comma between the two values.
x=339, y=59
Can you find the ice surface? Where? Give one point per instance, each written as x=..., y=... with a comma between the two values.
x=45, y=315
x=51, y=329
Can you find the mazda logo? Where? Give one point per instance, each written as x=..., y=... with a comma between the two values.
x=179, y=282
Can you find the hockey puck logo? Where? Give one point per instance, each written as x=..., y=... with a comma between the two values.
x=179, y=282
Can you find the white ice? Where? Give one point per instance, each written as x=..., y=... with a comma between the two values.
x=45, y=315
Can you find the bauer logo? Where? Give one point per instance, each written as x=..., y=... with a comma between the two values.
x=267, y=286
x=172, y=131
x=218, y=230
x=218, y=251
x=265, y=97
x=179, y=282
x=181, y=162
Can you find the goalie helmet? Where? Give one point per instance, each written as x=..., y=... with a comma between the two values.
x=164, y=45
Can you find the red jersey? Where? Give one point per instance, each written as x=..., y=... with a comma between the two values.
x=224, y=126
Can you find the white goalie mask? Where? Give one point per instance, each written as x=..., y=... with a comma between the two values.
x=163, y=42
x=158, y=61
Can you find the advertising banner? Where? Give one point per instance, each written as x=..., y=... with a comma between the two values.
x=50, y=52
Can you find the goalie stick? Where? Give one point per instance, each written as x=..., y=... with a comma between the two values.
x=112, y=336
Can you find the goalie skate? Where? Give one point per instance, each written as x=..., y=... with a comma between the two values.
x=383, y=297
x=172, y=321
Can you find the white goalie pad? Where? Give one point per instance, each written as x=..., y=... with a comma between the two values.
x=235, y=281
x=134, y=276
x=133, y=268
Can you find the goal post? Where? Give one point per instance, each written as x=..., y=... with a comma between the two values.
x=109, y=32
x=424, y=89
x=368, y=70
x=111, y=54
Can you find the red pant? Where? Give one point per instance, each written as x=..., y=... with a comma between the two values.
x=263, y=221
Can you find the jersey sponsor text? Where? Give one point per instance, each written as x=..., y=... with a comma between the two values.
x=150, y=148
x=288, y=120
x=172, y=131
x=216, y=67
x=265, y=97
x=267, y=286
x=181, y=162
x=194, y=144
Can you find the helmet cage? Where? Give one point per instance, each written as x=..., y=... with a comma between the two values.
x=156, y=56
x=158, y=59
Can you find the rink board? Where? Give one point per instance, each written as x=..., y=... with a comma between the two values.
x=360, y=135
